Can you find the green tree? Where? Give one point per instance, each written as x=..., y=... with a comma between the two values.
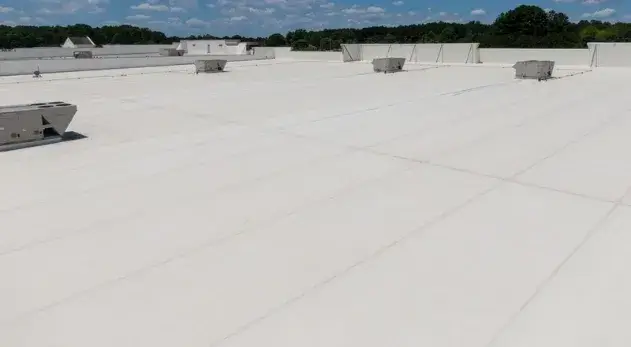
x=300, y=45
x=448, y=35
x=524, y=20
x=276, y=40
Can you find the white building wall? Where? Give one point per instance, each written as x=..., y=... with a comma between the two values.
x=287, y=53
x=213, y=47
x=569, y=57
x=26, y=67
x=609, y=54
x=128, y=49
x=351, y=52
x=241, y=48
x=417, y=53
x=37, y=53
x=59, y=52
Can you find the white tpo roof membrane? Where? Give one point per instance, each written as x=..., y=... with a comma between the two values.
x=320, y=204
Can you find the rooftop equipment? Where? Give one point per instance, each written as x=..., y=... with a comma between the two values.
x=34, y=124
x=210, y=65
x=386, y=65
x=534, y=69
x=82, y=54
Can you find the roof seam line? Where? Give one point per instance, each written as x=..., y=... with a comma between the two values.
x=590, y=233
x=418, y=231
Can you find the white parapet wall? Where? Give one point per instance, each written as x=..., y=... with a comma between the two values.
x=26, y=67
x=213, y=47
x=569, y=57
x=597, y=54
x=58, y=52
x=287, y=54
x=609, y=54
x=449, y=53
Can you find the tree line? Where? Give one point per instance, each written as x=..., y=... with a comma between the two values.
x=522, y=27
x=50, y=36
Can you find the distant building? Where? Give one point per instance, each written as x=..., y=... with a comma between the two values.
x=218, y=47
x=78, y=42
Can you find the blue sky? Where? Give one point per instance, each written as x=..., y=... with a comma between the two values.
x=262, y=17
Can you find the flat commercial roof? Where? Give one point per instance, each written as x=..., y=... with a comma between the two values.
x=320, y=204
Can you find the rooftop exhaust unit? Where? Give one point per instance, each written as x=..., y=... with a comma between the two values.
x=34, y=124
x=37, y=73
x=534, y=69
x=210, y=65
x=386, y=65
x=82, y=54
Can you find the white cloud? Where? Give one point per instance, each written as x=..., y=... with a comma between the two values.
x=171, y=22
x=138, y=17
x=398, y=3
x=355, y=9
x=604, y=13
x=411, y=13
x=593, y=2
x=328, y=5
x=6, y=9
x=183, y=3
x=178, y=9
x=267, y=10
x=375, y=9
x=478, y=12
x=442, y=14
x=238, y=18
x=71, y=6
x=196, y=22
x=150, y=7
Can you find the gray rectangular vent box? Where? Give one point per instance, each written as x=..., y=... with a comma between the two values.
x=386, y=65
x=210, y=65
x=534, y=69
x=82, y=54
x=170, y=52
x=34, y=124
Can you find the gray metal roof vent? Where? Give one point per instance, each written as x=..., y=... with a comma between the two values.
x=34, y=124
x=82, y=54
x=386, y=65
x=534, y=69
x=210, y=65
